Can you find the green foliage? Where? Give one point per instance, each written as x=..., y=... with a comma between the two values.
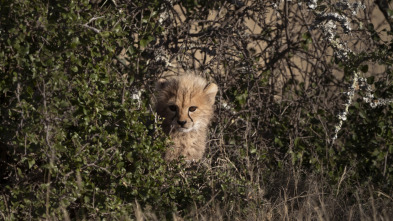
x=78, y=139
x=76, y=144
x=74, y=138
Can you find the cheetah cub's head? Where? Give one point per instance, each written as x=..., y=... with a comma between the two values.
x=185, y=102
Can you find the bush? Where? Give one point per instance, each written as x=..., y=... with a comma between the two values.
x=79, y=139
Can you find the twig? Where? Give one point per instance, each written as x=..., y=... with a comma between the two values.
x=86, y=25
x=91, y=28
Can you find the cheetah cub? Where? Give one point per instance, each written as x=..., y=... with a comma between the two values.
x=186, y=105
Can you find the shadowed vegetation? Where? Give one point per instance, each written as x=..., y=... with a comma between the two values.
x=79, y=139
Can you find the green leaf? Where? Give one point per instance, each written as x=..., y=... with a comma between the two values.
x=390, y=12
x=371, y=80
x=296, y=142
x=364, y=68
x=31, y=162
x=362, y=114
x=278, y=142
x=120, y=165
x=145, y=41
x=306, y=35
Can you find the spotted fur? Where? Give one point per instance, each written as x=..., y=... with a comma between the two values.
x=186, y=104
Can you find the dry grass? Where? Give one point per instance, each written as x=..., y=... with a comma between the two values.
x=293, y=196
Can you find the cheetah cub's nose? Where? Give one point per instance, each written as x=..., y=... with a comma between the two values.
x=182, y=122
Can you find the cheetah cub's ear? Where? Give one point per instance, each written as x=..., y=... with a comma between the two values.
x=211, y=91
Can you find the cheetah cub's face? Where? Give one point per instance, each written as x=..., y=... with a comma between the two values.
x=185, y=102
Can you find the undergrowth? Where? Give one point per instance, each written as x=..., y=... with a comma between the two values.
x=78, y=139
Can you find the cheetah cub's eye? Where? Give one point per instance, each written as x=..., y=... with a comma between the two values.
x=172, y=108
x=192, y=109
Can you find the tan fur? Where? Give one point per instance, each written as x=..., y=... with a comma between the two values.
x=183, y=92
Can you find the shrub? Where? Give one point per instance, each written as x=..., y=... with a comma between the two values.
x=79, y=141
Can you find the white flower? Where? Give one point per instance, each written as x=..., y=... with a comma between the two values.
x=313, y=4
